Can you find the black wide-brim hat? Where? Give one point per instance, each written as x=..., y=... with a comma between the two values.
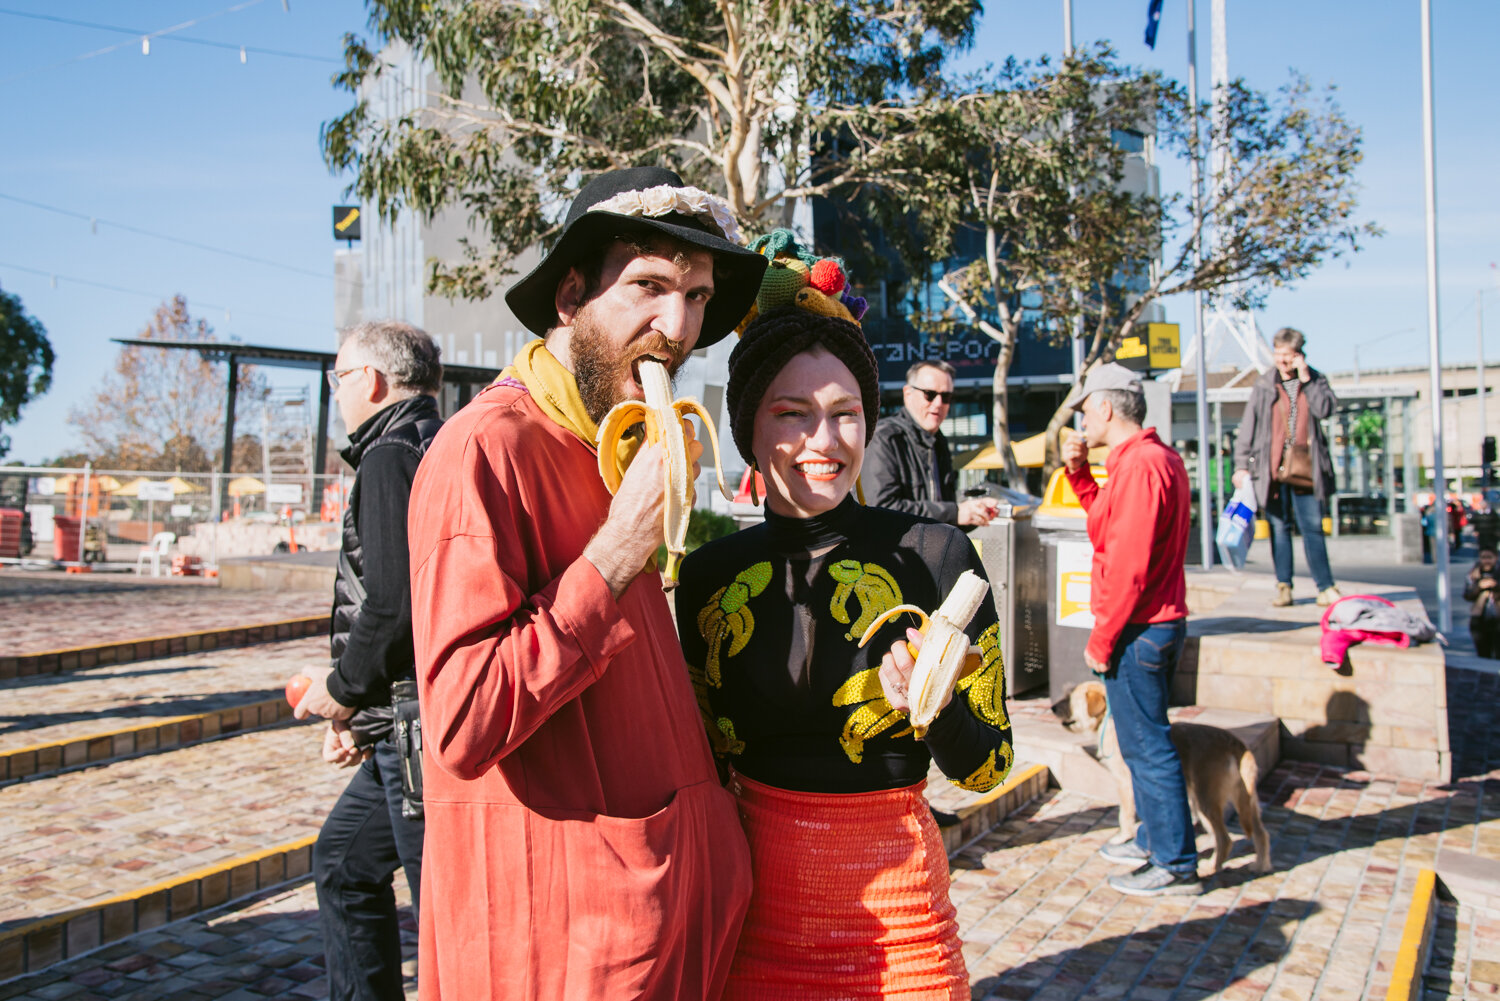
x=737, y=270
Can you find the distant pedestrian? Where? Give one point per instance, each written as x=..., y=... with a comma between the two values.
x=386, y=376
x=908, y=467
x=1282, y=450
x=1138, y=524
x=1486, y=522
x=1484, y=615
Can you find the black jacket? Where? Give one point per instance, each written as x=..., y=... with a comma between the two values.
x=370, y=639
x=909, y=469
x=1252, y=446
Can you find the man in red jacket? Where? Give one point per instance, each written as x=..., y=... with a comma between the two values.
x=1138, y=524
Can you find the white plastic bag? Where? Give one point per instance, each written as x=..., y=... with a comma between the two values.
x=1237, y=527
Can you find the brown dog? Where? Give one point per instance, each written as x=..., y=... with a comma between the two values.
x=1217, y=765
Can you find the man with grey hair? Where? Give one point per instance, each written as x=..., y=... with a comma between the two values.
x=1138, y=524
x=1281, y=451
x=384, y=378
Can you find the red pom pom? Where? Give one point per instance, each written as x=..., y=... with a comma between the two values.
x=826, y=277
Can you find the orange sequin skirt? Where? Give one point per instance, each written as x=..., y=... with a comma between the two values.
x=850, y=899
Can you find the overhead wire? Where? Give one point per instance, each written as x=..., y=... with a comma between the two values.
x=97, y=221
x=146, y=37
x=55, y=277
x=138, y=33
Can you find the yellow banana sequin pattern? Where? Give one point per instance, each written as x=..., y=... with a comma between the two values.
x=874, y=715
x=985, y=686
x=727, y=616
x=988, y=775
x=872, y=584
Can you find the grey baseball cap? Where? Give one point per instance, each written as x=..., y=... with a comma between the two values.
x=1111, y=376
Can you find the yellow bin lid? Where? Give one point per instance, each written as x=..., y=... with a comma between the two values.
x=1059, y=500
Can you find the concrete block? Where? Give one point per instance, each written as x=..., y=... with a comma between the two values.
x=1245, y=693
x=1400, y=761
x=1302, y=749
x=1468, y=877
x=84, y=933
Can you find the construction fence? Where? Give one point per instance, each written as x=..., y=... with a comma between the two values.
x=109, y=517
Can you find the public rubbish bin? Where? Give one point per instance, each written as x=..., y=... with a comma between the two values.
x=65, y=538
x=1012, y=557
x=1062, y=528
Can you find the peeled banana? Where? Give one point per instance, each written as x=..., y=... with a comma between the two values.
x=663, y=420
x=945, y=646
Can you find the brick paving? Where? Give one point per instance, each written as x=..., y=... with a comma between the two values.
x=270, y=947
x=46, y=708
x=44, y=611
x=87, y=835
x=1465, y=959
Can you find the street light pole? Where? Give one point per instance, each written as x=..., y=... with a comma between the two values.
x=1434, y=344
x=1205, y=529
x=1484, y=428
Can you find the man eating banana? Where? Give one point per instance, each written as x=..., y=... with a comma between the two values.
x=579, y=844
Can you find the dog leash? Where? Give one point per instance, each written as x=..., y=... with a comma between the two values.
x=1103, y=729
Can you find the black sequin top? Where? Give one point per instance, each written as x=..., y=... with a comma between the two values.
x=770, y=620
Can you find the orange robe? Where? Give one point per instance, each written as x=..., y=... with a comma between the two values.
x=579, y=844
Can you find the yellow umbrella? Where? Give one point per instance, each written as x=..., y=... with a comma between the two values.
x=133, y=488
x=181, y=486
x=242, y=485
x=1030, y=453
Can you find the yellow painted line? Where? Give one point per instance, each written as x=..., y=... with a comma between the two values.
x=1406, y=976
x=166, y=885
x=164, y=721
x=174, y=636
x=1004, y=788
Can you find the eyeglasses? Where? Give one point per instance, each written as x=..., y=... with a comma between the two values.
x=932, y=394
x=335, y=376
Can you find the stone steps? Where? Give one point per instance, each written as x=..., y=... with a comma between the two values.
x=97, y=855
x=110, y=712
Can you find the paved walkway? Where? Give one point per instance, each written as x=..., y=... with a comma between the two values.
x=41, y=611
x=55, y=707
x=86, y=835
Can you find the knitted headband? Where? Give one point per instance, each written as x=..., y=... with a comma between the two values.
x=771, y=341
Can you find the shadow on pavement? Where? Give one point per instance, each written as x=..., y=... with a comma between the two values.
x=1226, y=947
x=186, y=706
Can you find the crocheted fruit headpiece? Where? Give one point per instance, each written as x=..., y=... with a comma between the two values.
x=798, y=277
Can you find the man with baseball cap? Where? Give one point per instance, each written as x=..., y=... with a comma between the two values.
x=579, y=843
x=1138, y=524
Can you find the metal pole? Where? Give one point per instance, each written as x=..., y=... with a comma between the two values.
x=1434, y=344
x=1219, y=444
x=1205, y=526
x=1390, y=466
x=1409, y=474
x=1484, y=427
x=226, y=461
x=83, y=514
x=1077, y=339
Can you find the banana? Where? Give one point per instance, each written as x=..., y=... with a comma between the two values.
x=663, y=419
x=944, y=646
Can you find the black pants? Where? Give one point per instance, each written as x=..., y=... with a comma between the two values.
x=1486, y=634
x=362, y=844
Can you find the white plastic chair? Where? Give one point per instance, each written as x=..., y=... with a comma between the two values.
x=155, y=552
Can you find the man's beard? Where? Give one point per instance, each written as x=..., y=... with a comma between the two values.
x=600, y=370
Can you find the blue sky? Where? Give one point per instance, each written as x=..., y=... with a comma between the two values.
x=189, y=142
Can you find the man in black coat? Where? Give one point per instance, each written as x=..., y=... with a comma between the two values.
x=907, y=466
x=385, y=379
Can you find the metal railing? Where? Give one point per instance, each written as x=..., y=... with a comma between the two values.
x=78, y=516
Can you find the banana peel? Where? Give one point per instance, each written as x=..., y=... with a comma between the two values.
x=663, y=419
x=945, y=646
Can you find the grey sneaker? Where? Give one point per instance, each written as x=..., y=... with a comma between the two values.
x=1154, y=881
x=1128, y=853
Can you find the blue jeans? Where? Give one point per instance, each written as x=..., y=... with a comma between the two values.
x=1282, y=506
x=362, y=844
x=1140, y=675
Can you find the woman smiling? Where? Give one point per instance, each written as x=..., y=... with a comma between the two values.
x=851, y=880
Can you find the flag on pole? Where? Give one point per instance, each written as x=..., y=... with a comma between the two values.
x=1153, y=21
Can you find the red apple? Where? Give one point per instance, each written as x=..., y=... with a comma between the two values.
x=296, y=688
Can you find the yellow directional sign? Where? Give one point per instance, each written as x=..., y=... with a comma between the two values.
x=1165, y=340
x=346, y=222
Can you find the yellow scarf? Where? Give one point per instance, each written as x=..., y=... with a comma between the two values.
x=556, y=391
x=553, y=388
